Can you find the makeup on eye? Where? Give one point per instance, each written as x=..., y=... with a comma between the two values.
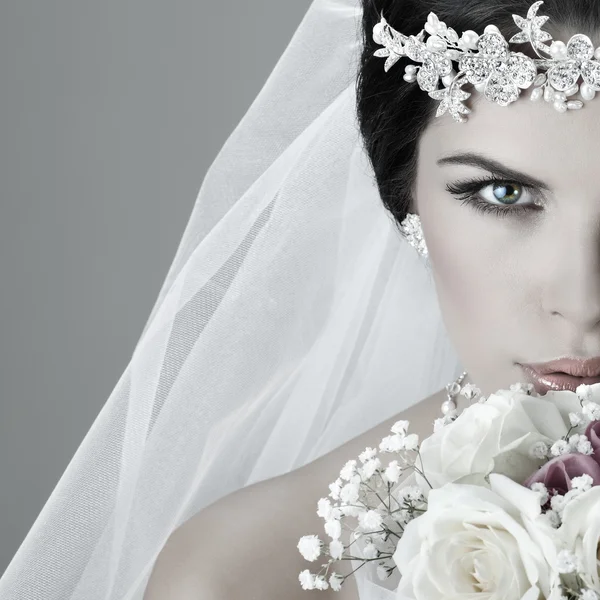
x=495, y=168
x=499, y=175
x=471, y=192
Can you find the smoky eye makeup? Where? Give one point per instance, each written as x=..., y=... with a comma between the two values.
x=503, y=191
x=500, y=197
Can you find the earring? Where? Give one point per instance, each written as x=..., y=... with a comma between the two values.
x=411, y=229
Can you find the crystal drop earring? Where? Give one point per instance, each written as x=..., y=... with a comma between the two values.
x=411, y=229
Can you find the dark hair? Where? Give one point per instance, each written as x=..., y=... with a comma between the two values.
x=392, y=113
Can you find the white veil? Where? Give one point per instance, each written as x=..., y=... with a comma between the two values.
x=293, y=318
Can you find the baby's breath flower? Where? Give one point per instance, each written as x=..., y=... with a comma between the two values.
x=367, y=454
x=336, y=549
x=348, y=470
x=336, y=488
x=333, y=529
x=324, y=508
x=321, y=583
x=411, y=442
x=393, y=471
x=527, y=388
x=579, y=443
x=470, y=391
x=307, y=580
x=566, y=562
x=369, y=468
x=335, y=581
x=349, y=493
x=575, y=419
x=584, y=391
x=542, y=490
x=585, y=447
x=392, y=443
x=400, y=427
x=558, y=503
x=413, y=493
x=378, y=538
x=336, y=513
x=591, y=410
x=370, y=551
x=402, y=516
x=560, y=447
x=356, y=479
x=370, y=520
x=583, y=482
x=310, y=547
x=538, y=450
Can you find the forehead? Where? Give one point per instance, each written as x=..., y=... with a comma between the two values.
x=530, y=136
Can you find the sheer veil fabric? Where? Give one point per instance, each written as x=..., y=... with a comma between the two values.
x=293, y=318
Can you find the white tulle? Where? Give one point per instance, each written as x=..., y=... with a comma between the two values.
x=293, y=318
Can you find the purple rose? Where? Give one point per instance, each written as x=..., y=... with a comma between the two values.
x=558, y=472
x=592, y=433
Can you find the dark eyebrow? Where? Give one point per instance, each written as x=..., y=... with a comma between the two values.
x=493, y=166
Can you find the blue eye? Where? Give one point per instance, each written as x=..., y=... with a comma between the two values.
x=504, y=195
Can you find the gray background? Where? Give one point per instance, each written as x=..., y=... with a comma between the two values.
x=110, y=114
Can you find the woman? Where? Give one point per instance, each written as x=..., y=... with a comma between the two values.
x=516, y=286
x=296, y=324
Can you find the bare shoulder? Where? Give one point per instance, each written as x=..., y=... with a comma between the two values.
x=245, y=545
x=420, y=415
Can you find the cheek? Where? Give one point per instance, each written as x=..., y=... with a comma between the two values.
x=477, y=265
x=477, y=299
x=461, y=274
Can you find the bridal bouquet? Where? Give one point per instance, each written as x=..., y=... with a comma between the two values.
x=502, y=501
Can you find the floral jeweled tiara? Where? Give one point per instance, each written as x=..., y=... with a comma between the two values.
x=486, y=62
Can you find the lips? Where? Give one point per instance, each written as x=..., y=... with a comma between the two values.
x=544, y=382
x=577, y=367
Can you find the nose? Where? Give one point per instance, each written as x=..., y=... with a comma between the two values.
x=573, y=273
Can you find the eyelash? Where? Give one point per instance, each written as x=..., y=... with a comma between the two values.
x=468, y=190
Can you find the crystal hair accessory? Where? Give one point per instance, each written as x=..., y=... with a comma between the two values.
x=486, y=62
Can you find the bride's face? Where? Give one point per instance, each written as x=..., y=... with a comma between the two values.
x=520, y=286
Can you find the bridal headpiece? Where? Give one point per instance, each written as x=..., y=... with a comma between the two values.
x=486, y=62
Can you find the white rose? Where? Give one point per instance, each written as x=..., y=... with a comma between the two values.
x=494, y=436
x=472, y=540
x=569, y=402
x=580, y=531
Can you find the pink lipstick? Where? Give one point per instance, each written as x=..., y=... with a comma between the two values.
x=562, y=374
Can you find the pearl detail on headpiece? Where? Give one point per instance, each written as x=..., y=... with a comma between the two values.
x=486, y=62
